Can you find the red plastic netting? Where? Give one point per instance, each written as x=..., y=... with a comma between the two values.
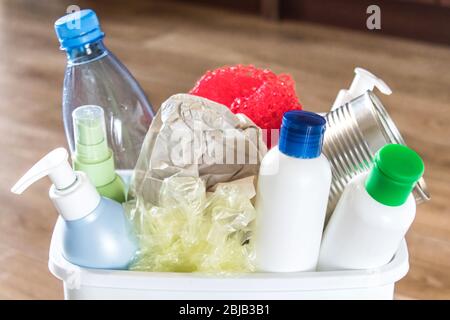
x=260, y=94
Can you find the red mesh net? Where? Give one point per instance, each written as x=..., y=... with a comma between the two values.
x=260, y=94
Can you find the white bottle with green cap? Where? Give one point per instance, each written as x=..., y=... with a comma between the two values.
x=374, y=212
x=92, y=154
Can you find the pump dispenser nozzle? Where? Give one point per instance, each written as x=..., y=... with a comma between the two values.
x=55, y=166
x=72, y=194
x=362, y=82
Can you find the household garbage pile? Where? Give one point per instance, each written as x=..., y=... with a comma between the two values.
x=233, y=176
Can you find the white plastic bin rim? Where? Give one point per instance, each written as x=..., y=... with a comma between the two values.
x=74, y=276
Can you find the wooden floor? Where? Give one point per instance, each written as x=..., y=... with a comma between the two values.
x=167, y=47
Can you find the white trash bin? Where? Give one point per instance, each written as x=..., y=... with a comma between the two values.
x=84, y=283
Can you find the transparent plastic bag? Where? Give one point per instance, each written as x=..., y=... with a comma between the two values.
x=192, y=230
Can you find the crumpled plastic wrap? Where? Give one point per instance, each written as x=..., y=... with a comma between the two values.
x=192, y=230
x=199, y=128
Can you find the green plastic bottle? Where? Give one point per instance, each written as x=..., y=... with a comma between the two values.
x=92, y=154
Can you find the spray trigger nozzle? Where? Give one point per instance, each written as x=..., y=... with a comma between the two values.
x=55, y=164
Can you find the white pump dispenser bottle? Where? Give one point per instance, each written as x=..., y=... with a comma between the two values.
x=96, y=232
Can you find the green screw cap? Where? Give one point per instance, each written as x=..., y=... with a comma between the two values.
x=396, y=169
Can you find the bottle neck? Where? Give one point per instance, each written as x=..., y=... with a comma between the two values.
x=86, y=53
x=77, y=201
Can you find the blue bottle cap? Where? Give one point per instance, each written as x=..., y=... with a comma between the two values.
x=301, y=134
x=78, y=28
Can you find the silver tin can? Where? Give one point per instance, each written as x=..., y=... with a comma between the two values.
x=354, y=133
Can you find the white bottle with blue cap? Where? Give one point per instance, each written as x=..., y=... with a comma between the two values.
x=293, y=187
x=95, y=76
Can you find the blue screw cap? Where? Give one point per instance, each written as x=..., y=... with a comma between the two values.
x=78, y=28
x=301, y=134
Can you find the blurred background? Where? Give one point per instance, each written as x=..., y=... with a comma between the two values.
x=168, y=45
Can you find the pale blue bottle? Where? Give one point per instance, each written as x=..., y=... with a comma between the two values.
x=95, y=76
x=103, y=239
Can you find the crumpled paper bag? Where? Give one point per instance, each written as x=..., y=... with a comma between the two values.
x=192, y=136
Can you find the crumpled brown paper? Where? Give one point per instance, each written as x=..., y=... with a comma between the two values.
x=192, y=136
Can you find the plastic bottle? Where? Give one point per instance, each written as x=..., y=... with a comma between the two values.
x=293, y=187
x=97, y=233
x=95, y=76
x=92, y=154
x=374, y=213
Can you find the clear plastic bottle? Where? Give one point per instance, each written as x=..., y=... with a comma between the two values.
x=95, y=76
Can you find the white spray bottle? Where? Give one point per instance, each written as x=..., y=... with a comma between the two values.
x=96, y=232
